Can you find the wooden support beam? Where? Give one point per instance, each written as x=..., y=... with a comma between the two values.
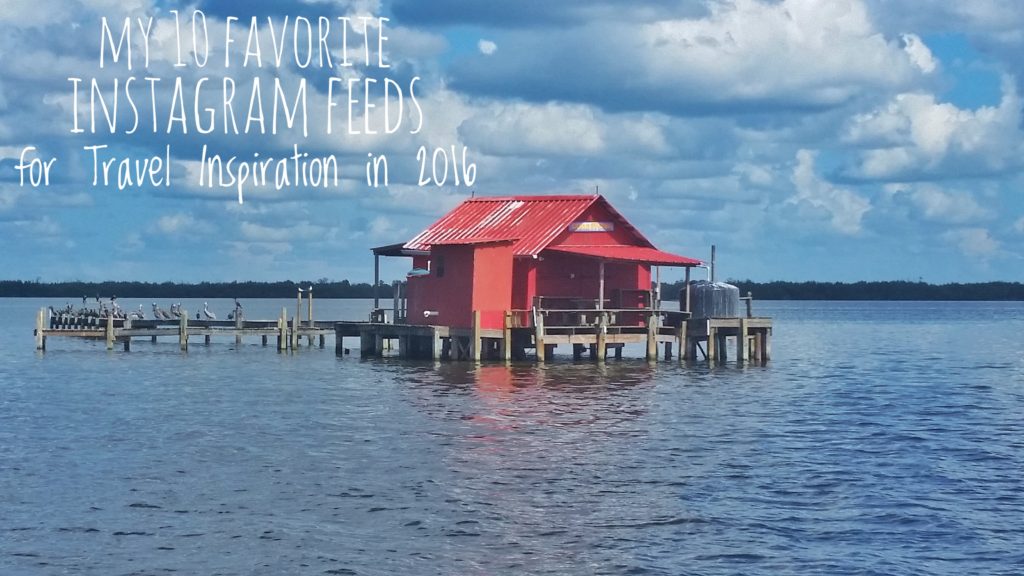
x=602, y=337
x=309, y=307
x=742, y=345
x=323, y=341
x=652, y=337
x=206, y=339
x=712, y=347
x=506, y=336
x=668, y=350
x=475, y=342
x=295, y=333
x=109, y=333
x=40, y=326
x=436, y=345
x=127, y=344
x=263, y=339
x=538, y=335
x=282, y=331
x=183, y=330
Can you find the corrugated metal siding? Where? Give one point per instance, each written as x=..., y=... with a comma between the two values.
x=532, y=221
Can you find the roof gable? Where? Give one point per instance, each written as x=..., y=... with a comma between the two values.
x=533, y=222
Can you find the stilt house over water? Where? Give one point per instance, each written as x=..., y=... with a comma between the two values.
x=522, y=253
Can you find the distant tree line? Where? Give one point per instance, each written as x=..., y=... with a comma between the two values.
x=284, y=289
x=890, y=290
x=778, y=290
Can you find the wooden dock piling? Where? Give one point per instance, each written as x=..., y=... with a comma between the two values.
x=109, y=333
x=41, y=329
x=183, y=331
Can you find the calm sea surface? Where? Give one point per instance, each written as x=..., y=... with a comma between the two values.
x=884, y=438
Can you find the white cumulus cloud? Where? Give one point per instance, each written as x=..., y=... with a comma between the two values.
x=915, y=135
x=845, y=208
x=974, y=242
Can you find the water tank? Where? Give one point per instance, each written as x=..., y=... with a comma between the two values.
x=712, y=300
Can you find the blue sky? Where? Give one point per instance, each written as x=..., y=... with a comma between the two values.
x=840, y=140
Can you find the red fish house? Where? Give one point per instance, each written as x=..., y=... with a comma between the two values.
x=499, y=275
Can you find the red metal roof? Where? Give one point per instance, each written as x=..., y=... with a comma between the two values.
x=642, y=254
x=533, y=223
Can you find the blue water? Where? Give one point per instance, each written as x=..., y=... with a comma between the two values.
x=883, y=438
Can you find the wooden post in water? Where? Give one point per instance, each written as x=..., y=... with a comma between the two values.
x=295, y=333
x=436, y=344
x=40, y=326
x=652, y=337
x=309, y=313
x=238, y=326
x=602, y=337
x=538, y=334
x=506, y=337
x=109, y=333
x=183, y=330
x=282, y=331
x=475, y=342
x=206, y=339
x=681, y=340
x=742, y=345
x=712, y=343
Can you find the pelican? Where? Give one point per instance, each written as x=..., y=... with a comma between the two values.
x=160, y=313
x=206, y=312
x=138, y=314
x=176, y=310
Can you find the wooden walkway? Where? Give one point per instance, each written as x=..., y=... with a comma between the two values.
x=123, y=331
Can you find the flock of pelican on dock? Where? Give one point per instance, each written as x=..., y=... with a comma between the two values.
x=113, y=310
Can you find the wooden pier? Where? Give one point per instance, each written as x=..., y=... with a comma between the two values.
x=289, y=333
x=595, y=333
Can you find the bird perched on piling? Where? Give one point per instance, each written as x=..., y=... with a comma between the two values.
x=138, y=314
x=237, y=312
x=206, y=312
x=159, y=313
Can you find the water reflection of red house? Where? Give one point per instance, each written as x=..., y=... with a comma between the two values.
x=510, y=253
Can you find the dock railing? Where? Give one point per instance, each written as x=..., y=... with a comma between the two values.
x=585, y=318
